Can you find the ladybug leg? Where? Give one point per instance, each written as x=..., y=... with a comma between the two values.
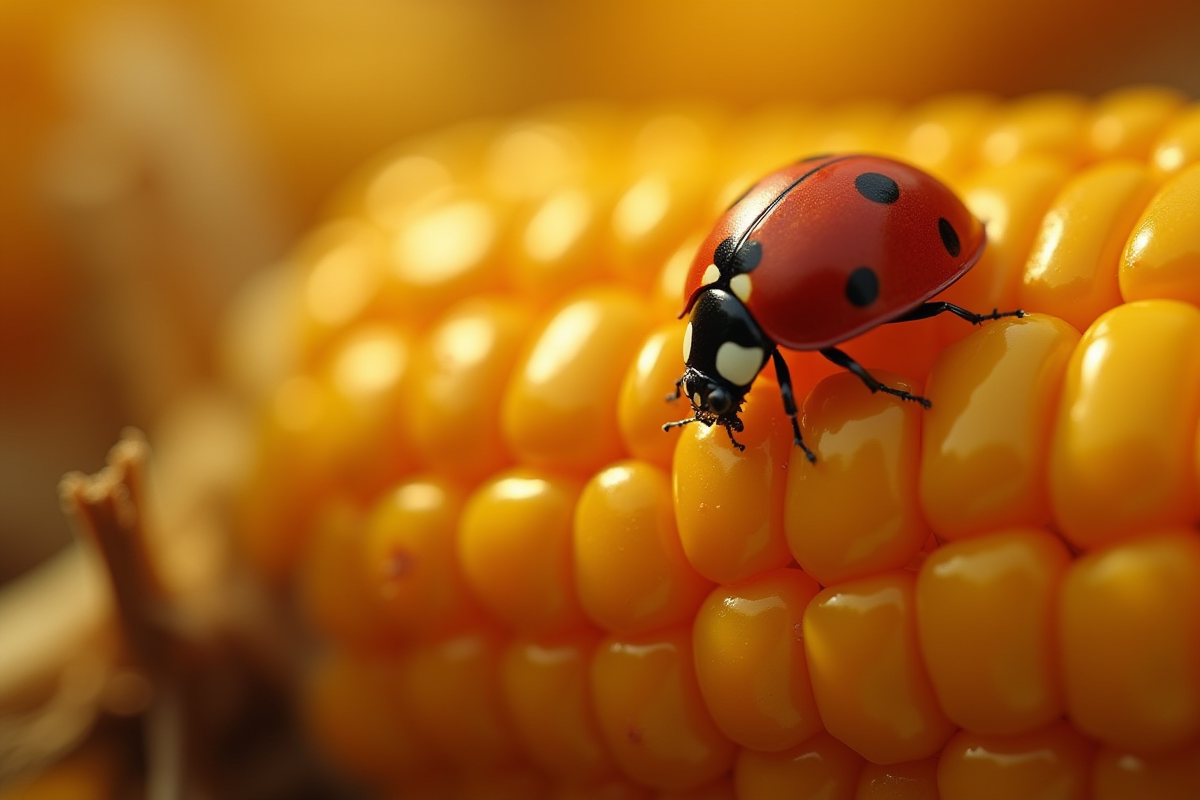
x=845, y=361
x=927, y=310
x=671, y=398
x=789, y=402
x=736, y=443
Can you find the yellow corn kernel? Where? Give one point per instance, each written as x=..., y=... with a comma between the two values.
x=820, y=767
x=410, y=559
x=1074, y=263
x=749, y=651
x=530, y=158
x=1122, y=775
x=1125, y=123
x=867, y=674
x=855, y=513
x=559, y=241
x=652, y=715
x=664, y=191
x=858, y=126
x=1052, y=763
x=632, y=574
x=730, y=507
x=279, y=500
x=444, y=251
x=985, y=619
x=560, y=408
x=1179, y=144
x=641, y=406
x=762, y=140
x=1050, y=123
x=343, y=267
x=336, y=601
x=909, y=780
x=349, y=709
x=460, y=372
x=514, y=547
x=547, y=695
x=985, y=441
x=668, y=297
x=1162, y=258
x=1011, y=202
x=938, y=135
x=1142, y=690
x=1118, y=462
x=368, y=374
x=451, y=692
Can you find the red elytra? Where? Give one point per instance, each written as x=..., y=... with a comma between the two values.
x=841, y=244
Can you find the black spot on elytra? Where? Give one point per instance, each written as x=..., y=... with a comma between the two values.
x=949, y=237
x=862, y=287
x=723, y=252
x=877, y=188
x=732, y=262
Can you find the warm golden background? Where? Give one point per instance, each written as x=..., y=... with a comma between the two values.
x=152, y=154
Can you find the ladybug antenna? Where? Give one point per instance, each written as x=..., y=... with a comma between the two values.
x=679, y=423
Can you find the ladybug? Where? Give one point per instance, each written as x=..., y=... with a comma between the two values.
x=812, y=255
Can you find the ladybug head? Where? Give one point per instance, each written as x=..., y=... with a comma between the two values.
x=723, y=351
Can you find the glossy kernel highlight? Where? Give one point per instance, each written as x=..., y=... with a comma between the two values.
x=749, y=649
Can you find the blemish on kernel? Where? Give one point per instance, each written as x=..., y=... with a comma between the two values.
x=399, y=563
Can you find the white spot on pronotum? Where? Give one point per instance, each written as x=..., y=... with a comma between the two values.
x=687, y=343
x=696, y=400
x=711, y=275
x=741, y=286
x=738, y=364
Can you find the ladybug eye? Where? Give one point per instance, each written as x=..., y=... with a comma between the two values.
x=719, y=401
x=862, y=287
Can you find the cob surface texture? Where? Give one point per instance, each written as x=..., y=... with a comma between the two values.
x=524, y=588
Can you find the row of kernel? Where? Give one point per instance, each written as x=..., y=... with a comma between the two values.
x=584, y=714
x=1052, y=762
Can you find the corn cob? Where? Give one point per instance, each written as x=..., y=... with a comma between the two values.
x=527, y=590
